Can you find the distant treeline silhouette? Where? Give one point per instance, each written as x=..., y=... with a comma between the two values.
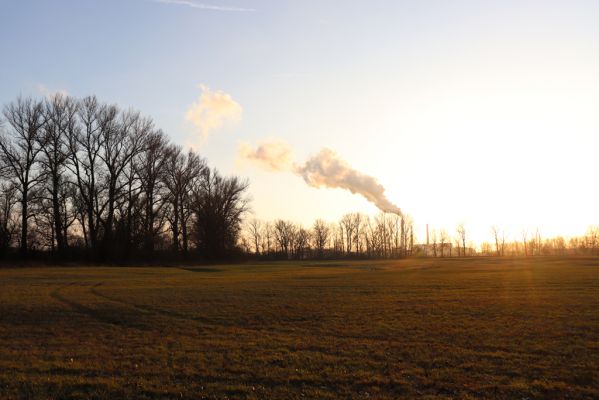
x=356, y=235
x=80, y=178
x=386, y=235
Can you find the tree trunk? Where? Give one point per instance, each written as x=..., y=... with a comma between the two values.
x=24, y=219
x=176, y=226
x=57, y=216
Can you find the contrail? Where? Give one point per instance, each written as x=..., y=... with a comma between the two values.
x=324, y=169
x=202, y=6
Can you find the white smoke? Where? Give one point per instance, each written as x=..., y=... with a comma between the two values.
x=273, y=156
x=324, y=169
x=211, y=112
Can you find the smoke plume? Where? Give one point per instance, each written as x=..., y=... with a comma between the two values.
x=272, y=156
x=324, y=169
x=211, y=112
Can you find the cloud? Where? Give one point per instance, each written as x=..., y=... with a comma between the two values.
x=203, y=6
x=48, y=93
x=272, y=156
x=324, y=169
x=212, y=111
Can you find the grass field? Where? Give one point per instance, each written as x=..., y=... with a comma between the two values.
x=429, y=329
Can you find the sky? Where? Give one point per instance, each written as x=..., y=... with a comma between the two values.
x=475, y=112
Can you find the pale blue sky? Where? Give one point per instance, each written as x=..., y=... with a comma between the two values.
x=416, y=93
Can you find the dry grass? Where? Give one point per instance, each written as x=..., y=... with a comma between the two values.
x=430, y=329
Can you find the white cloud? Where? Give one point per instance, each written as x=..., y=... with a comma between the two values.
x=202, y=6
x=212, y=111
x=47, y=92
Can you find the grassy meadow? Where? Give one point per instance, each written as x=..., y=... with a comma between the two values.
x=421, y=328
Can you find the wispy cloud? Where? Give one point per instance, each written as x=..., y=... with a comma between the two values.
x=203, y=6
x=47, y=92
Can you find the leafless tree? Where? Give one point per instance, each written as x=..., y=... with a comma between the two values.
x=255, y=231
x=499, y=237
x=538, y=242
x=123, y=136
x=151, y=163
x=183, y=172
x=267, y=238
x=525, y=241
x=8, y=200
x=19, y=151
x=347, y=224
x=592, y=238
x=300, y=242
x=443, y=239
x=434, y=240
x=60, y=124
x=219, y=204
x=358, y=227
x=85, y=147
x=284, y=235
x=321, y=234
x=461, y=231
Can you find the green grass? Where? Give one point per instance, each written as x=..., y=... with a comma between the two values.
x=429, y=329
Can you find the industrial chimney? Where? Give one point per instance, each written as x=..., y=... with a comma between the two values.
x=427, y=243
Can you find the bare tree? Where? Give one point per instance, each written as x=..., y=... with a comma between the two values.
x=347, y=224
x=434, y=240
x=123, y=136
x=525, y=241
x=132, y=224
x=358, y=226
x=443, y=239
x=19, y=150
x=321, y=233
x=538, y=242
x=151, y=170
x=255, y=231
x=267, y=238
x=592, y=238
x=85, y=146
x=284, y=234
x=461, y=230
x=61, y=123
x=301, y=242
x=219, y=204
x=499, y=237
x=8, y=199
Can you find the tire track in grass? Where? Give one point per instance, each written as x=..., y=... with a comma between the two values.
x=172, y=314
x=105, y=317
x=154, y=310
x=203, y=321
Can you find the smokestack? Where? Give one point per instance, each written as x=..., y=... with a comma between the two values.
x=427, y=242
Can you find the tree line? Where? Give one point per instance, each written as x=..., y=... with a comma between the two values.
x=526, y=243
x=532, y=243
x=385, y=235
x=354, y=235
x=79, y=177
